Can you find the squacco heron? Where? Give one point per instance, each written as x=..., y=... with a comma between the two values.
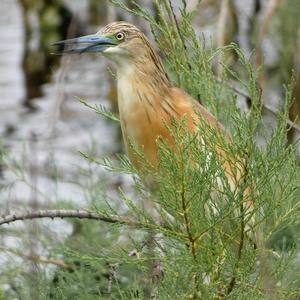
x=147, y=99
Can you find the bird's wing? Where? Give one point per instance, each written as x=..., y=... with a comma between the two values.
x=200, y=119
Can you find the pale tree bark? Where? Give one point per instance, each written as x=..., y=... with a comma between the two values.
x=264, y=27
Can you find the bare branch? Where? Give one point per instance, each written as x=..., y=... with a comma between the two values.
x=58, y=213
x=84, y=214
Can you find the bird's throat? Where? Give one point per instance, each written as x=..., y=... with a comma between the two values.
x=138, y=87
x=140, y=91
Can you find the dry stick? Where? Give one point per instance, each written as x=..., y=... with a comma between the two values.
x=44, y=260
x=59, y=213
x=83, y=214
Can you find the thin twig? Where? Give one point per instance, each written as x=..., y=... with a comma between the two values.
x=40, y=259
x=44, y=260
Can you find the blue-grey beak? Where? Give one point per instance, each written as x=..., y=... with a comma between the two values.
x=93, y=43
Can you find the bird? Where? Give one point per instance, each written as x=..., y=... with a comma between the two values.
x=147, y=99
x=148, y=105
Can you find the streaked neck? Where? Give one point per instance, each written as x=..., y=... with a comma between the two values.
x=149, y=78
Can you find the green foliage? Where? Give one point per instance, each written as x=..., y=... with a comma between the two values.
x=88, y=277
x=100, y=110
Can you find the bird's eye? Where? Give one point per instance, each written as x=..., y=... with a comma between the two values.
x=120, y=36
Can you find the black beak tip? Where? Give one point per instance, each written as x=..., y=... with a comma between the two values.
x=58, y=48
x=58, y=43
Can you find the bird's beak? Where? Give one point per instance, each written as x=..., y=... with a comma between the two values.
x=88, y=43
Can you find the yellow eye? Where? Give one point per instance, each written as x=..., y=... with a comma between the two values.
x=120, y=36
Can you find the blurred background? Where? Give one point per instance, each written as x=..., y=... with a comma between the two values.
x=43, y=126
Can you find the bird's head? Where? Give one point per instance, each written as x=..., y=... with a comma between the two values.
x=120, y=41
